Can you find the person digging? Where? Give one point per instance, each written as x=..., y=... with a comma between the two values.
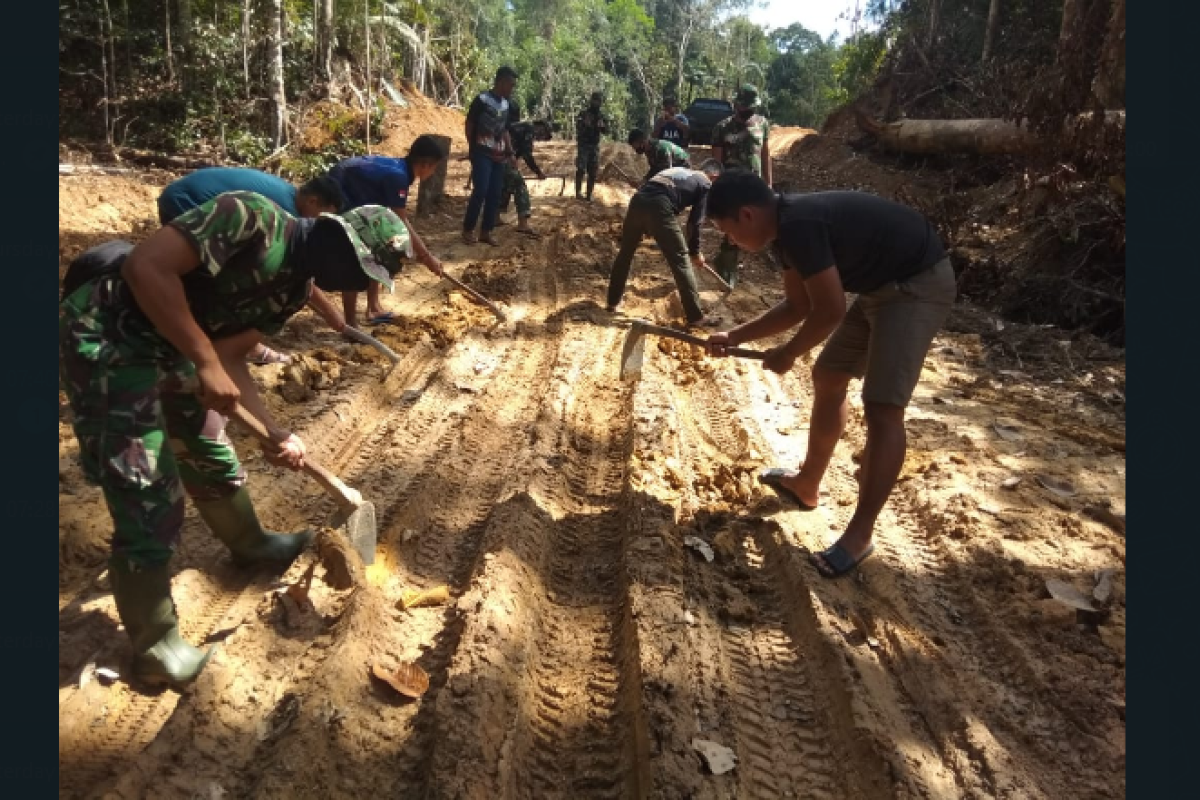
x=653, y=211
x=152, y=344
x=321, y=195
x=830, y=243
x=660, y=154
x=385, y=181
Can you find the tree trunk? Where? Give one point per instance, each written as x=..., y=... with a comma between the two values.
x=246, y=46
x=104, y=74
x=367, y=38
x=128, y=44
x=935, y=13
x=1070, y=21
x=183, y=35
x=976, y=136
x=433, y=187
x=324, y=50
x=989, y=36
x=1109, y=86
x=278, y=90
x=170, y=53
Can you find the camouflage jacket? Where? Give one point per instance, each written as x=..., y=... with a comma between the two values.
x=741, y=142
x=663, y=155
x=589, y=126
x=245, y=278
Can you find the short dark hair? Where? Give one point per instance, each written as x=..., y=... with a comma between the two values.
x=325, y=189
x=506, y=72
x=733, y=191
x=636, y=135
x=670, y=101
x=426, y=148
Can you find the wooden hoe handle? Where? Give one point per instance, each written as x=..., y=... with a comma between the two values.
x=346, y=497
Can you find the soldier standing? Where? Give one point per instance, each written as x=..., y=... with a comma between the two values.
x=523, y=135
x=741, y=142
x=590, y=125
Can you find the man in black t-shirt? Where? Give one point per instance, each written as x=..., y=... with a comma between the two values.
x=672, y=126
x=653, y=211
x=830, y=243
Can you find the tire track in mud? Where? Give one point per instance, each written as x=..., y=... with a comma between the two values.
x=98, y=742
x=543, y=693
x=929, y=762
x=449, y=504
x=963, y=744
x=1033, y=756
x=345, y=437
x=732, y=640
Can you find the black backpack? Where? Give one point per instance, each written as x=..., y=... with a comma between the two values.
x=103, y=259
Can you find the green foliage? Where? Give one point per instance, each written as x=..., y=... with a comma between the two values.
x=211, y=91
x=857, y=64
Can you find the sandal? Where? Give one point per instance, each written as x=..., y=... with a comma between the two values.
x=487, y=238
x=838, y=563
x=382, y=319
x=532, y=234
x=269, y=356
x=773, y=477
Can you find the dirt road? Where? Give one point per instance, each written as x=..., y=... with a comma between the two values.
x=587, y=643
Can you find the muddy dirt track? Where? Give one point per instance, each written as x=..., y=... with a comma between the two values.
x=586, y=644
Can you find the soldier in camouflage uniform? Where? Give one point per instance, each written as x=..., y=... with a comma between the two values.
x=523, y=135
x=590, y=125
x=741, y=142
x=660, y=153
x=152, y=344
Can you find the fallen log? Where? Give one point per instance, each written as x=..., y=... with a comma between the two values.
x=977, y=136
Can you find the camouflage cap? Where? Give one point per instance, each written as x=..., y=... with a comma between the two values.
x=747, y=95
x=379, y=237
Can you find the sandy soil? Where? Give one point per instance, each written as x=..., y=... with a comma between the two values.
x=586, y=643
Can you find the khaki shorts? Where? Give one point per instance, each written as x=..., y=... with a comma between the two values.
x=886, y=334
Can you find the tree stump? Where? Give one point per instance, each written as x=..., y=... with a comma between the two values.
x=429, y=197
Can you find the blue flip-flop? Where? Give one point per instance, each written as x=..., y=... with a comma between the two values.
x=381, y=319
x=840, y=562
x=773, y=478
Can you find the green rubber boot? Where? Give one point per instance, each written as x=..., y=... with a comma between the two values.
x=233, y=521
x=160, y=655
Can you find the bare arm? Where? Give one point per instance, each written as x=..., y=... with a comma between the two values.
x=319, y=302
x=788, y=313
x=419, y=249
x=233, y=352
x=154, y=271
x=827, y=308
x=718, y=154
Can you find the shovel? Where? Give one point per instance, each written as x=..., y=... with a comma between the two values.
x=476, y=296
x=635, y=347
x=355, y=516
x=355, y=335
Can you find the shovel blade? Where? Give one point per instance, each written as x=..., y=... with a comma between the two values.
x=632, y=353
x=359, y=527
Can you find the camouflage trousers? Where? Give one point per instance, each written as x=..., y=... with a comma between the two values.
x=587, y=158
x=514, y=187
x=144, y=438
